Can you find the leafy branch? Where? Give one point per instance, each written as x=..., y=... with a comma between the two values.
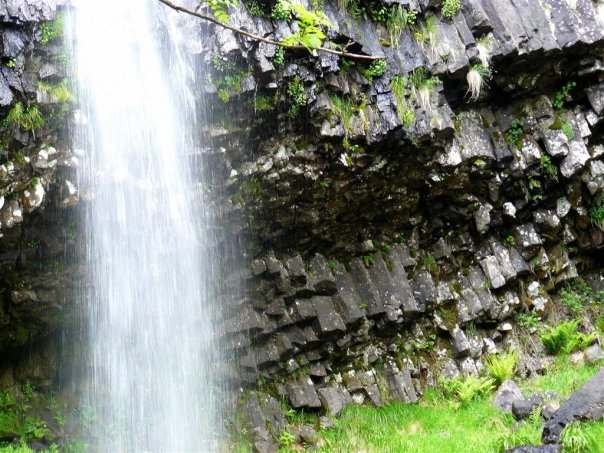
x=308, y=42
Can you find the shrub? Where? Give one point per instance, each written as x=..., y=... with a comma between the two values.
x=468, y=389
x=501, y=366
x=450, y=8
x=596, y=214
x=575, y=440
x=565, y=338
x=573, y=301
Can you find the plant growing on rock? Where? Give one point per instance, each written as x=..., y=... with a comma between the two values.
x=567, y=130
x=484, y=46
x=52, y=30
x=450, y=8
x=425, y=35
x=399, y=19
x=515, y=132
x=548, y=166
x=477, y=77
x=27, y=119
x=295, y=91
x=561, y=96
x=423, y=86
x=398, y=85
x=528, y=320
x=375, y=69
x=501, y=366
x=596, y=215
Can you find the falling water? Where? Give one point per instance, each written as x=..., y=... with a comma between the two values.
x=149, y=320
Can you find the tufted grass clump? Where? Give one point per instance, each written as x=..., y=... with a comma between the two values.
x=501, y=367
x=575, y=439
x=398, y=85
x=28, y=119
x=565, y=338
x=423, y=86
x=477, y=77
x=596, y=215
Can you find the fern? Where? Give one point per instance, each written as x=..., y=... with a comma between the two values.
x=501, y=367
x=468, y=389
x=565, y=338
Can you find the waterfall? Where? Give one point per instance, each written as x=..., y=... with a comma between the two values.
x=149, y=320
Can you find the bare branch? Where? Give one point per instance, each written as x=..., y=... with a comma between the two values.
x=353, y=56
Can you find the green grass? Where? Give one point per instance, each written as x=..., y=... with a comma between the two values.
x=562, y=378
x=431, y=426
x=440, y=423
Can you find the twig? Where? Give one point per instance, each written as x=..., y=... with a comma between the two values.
x=354, y=56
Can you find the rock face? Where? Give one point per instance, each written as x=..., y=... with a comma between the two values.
x=39, y=230
x=393, y=226
x=587, y=403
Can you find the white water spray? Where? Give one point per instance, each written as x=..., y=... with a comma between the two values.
x=149, y=319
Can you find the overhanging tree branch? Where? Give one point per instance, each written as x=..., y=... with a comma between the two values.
x=353, y=56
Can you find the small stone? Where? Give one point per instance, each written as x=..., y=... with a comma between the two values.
x=577, y=359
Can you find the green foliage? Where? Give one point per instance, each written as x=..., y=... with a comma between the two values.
x=575, y=439
x=573, y=301
x=428, y=262
x=548, y=166
x=528, y=320
x=377, y=68
x=368, y=260
x=450, y=8
x=515, y=132
x=562, y=96
x=596, y=214
x=477, y=77
x=286, y=439
x=310, y=25
x=345, y=64
x=567, y=130
x=467, y=389
x=565, y=338
x=254, y=9
x=509, y=241
x=426, y=33
x=398, y=84
x=397, y=20
x=52, y=30
x=220, y=8
x=27, y=119
x=279, y=58
x=228, y=79
x=423, y=86
x=58, y=93
x=297, y=96
x=346, y=108
x=281, y=10
x=501, y=366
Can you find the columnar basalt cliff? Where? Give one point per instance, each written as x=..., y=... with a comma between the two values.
x=394, y=220
x=37, y=190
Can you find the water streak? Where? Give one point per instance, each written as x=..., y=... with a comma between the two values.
x=148, y=318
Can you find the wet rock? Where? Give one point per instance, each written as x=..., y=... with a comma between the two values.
x=587, y=403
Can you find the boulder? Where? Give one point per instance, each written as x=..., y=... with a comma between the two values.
x=587, y=403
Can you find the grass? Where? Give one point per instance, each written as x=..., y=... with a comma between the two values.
x=431, y=426
x=438, y=423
